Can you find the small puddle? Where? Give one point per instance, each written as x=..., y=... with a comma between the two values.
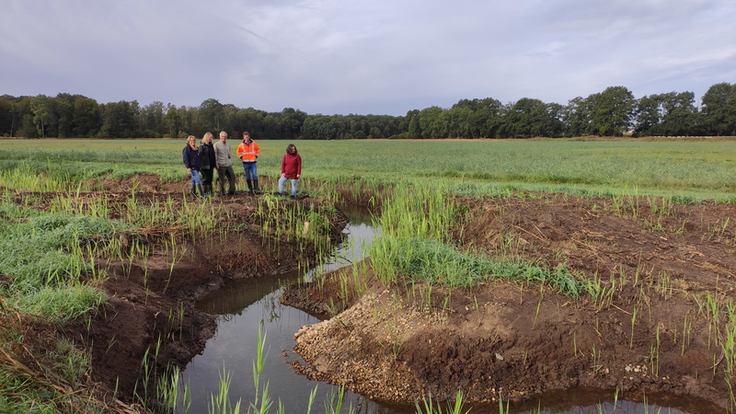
x=242, y=305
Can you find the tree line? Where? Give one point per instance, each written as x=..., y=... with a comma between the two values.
x=613, y=112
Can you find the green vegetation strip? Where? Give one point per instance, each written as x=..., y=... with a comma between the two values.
x=415, y=246
x=42, y=253
x=438, y=263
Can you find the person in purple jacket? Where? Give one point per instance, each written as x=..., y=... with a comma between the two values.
x=291, y=168
x=193, y=164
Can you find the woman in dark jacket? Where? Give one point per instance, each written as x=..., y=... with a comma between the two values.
x=192, y=162
x=291, y=168
x=207, y=158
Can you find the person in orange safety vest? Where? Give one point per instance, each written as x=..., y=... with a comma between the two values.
x=248, y=152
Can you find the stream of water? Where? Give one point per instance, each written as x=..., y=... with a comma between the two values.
x=243, y=305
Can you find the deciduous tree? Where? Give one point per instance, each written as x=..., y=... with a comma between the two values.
x=613, y=111
x=87, y=117
x=433, y=122
x=719, y=109
x=318, y=127
x=211, y=111
x=43, y=116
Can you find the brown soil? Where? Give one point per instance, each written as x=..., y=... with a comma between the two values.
x=519, y=341
x=151, y=302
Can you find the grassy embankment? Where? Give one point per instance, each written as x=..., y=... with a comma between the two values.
x=415, y=218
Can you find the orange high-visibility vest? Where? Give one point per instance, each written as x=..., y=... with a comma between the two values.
x=248, y=153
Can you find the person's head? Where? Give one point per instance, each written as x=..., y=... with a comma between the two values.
x=291, y=149
x=246, y=136
x=207, y=138
x=223, y=136
x=191, y=139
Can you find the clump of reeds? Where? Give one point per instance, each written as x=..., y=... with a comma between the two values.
x=416, y=246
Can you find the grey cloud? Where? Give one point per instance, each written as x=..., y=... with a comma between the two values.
x=343, y=56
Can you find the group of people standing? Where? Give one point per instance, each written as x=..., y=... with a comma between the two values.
x=201, y=163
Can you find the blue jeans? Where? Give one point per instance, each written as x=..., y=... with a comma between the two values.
x=250, y=169
x=195, y=177
x=282, y=180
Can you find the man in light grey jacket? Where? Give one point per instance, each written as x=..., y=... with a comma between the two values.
x=224, y=164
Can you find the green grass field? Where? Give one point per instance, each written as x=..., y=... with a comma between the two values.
x=701, y=169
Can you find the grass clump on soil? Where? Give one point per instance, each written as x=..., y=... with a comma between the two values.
x=416, y=246
x=42, y=254
x=435, y=262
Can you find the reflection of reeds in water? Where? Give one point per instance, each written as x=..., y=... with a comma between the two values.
x=169, y=388
x=428, y=407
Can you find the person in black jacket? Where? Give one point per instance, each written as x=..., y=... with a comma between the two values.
x=192, y=162
x=207, y=159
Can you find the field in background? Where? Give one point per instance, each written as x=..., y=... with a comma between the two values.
x=701, y=169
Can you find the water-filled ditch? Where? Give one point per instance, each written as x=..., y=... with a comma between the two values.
x=243, y=305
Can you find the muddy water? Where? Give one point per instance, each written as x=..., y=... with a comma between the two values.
x=245, y=305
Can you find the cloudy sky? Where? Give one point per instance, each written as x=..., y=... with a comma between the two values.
x=369, y=56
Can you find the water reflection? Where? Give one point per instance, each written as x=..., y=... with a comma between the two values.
x=585, y=400
x=235, y=296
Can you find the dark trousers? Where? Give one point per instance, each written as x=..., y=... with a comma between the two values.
x=226, y=172
x=206, y=176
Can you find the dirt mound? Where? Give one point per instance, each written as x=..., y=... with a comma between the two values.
x=360, y=351
x=653, y=268
x=138, y=182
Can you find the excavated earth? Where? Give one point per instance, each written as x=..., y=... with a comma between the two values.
x=660, y=267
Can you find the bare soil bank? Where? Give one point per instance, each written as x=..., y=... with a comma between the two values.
x=650, y=329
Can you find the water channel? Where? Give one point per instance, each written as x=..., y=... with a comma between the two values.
x=243, y=305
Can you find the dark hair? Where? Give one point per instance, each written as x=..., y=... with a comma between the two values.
x=290, y=146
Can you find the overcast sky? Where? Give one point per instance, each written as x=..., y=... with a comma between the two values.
x=362, y=57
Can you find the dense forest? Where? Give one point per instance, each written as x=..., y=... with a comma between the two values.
x=612, y=112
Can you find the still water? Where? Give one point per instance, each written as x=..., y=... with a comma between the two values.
x=244, y=305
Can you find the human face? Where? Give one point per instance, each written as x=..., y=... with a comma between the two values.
x=190, y=140
x=223, y=136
